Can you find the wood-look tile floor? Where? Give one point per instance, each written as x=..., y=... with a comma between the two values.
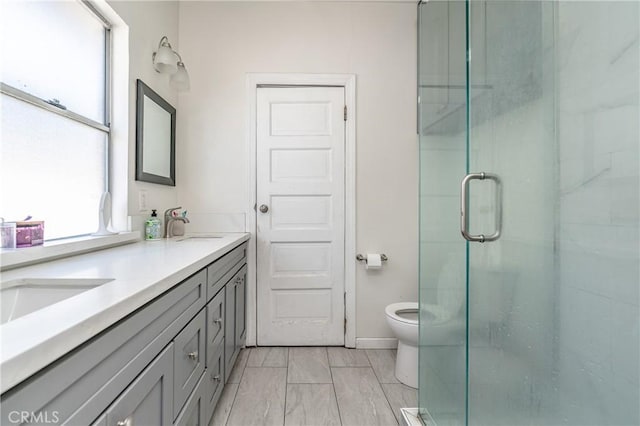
x=320, y=386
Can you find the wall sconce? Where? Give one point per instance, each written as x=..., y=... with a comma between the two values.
x=168, y=61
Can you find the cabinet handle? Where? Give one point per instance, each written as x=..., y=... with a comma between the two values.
x=193, y=355
x=217, y=321
x=215, y=378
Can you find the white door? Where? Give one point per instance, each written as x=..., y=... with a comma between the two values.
x=300, y=216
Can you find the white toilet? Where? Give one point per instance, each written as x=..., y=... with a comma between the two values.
x=403, y=320
x=443, y=323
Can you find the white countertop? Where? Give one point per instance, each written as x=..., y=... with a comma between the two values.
x=140, y=271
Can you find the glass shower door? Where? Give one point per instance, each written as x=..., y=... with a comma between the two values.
x=553, y=302
x=511, y=311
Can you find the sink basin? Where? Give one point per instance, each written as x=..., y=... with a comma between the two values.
x=24, y=296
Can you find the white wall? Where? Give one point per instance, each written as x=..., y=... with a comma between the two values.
x=148, y=21
x=223, y=41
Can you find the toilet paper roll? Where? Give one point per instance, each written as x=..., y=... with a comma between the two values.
x=374, y=261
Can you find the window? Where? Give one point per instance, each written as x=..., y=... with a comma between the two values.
x=54, y=114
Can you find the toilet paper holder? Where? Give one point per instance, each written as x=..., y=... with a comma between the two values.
x=361, y=258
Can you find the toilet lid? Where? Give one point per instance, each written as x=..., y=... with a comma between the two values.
x=406, y=312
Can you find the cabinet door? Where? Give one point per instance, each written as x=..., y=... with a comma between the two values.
x=214, y=376
x=235, y=330
x=149, y=399
x=229, y=327
x=195, y=409
x=188, y=360
x=241, y=301
x=215, y=324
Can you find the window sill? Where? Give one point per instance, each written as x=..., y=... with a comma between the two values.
x=15, y=258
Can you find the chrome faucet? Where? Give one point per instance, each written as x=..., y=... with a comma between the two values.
x=169, y=219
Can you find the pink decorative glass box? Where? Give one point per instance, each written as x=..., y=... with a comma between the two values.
x=29, y=233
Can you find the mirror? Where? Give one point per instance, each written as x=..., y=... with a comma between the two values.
x=155, y=138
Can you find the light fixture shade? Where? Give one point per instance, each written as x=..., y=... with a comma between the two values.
x=164, y=60
x=180, y=80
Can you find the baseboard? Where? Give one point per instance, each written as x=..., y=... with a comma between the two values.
x=376, y=343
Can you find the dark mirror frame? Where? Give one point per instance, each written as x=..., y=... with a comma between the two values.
x=142, y=91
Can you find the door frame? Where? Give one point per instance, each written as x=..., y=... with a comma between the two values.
x=348, y=81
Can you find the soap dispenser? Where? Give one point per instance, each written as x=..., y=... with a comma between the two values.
x=152, y=227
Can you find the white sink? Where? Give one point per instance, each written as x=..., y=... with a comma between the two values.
x=23, y=296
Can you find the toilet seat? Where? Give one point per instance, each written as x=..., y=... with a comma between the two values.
x=392, y=311
x=435, y=314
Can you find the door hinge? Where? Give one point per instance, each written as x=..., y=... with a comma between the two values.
x=345, y=113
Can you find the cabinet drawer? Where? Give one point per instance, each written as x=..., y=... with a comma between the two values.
x=195, y=410
x=147, y=401
x=189, y=347
x=215, y=324
x=224, y=268
x=214, y=378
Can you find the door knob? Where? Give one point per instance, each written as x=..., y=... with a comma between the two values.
x=264, y=208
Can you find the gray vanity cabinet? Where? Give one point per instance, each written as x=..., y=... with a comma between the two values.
x=164, y=364
x=148, y=400
x=82, y=384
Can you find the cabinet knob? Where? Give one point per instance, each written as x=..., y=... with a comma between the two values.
x=124, y=422
x=264, y=208
x=215, y=378
x=193, y=355
x=217, y=321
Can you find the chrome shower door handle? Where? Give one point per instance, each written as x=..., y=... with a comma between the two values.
x=464, y=207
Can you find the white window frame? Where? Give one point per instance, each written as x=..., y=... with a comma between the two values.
x=117, y=157
x=54, y=108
